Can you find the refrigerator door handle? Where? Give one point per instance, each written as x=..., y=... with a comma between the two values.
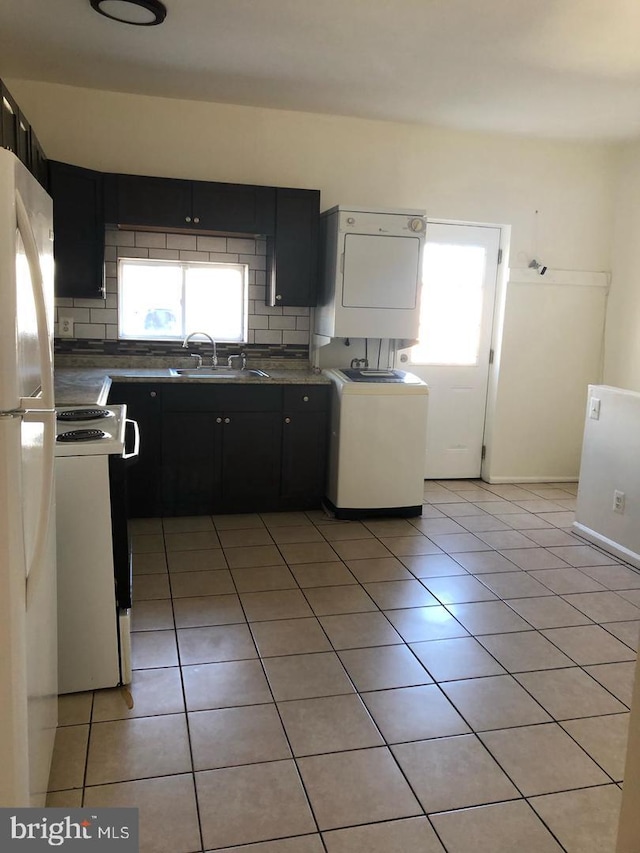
x=38, y=563
x=44, y=340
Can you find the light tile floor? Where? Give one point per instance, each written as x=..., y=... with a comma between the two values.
x=458, y=682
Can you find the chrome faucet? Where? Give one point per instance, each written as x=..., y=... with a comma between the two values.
x=214, y=357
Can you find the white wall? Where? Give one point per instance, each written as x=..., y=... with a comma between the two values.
x=557, y=196
x=622, y=363
x=553, y=336
x=610, y=461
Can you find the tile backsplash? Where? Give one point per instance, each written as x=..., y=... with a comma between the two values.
x=97, y=319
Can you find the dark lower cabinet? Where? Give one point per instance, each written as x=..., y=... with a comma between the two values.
x=250, y=462
x=208, y=448
x=220, y=462
x=304, y=446
x=144, y=405
x=191, y=470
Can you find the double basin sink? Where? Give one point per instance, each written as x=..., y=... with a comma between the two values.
x=219, y=373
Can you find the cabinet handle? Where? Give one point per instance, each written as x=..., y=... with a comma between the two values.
x=218, y=420
x=153, y=393
x=227, y=420
x=196, y=219
x=187, y=219
x=305, y=399
x=287, y=420
x=278, y=297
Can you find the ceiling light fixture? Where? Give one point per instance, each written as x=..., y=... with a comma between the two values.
x=141, y=13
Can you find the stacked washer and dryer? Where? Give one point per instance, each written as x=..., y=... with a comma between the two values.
x=372, y=266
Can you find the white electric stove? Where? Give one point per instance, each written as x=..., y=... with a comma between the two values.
x=93, y=553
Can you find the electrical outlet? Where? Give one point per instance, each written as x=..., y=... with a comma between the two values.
x=618, y=501
x=594, y=408
x=65, y=327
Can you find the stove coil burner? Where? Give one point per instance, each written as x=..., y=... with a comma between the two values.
x=82, y=435
x=83, y=414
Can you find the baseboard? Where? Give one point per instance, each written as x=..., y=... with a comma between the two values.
x=608, y=545
x=537, y=479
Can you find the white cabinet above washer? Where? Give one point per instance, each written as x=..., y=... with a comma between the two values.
x=371, y=268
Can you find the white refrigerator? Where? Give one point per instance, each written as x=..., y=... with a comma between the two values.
x=28, y=642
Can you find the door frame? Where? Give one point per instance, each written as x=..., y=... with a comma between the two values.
x=497, y=328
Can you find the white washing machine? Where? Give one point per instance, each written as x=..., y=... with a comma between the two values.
x=377, y=441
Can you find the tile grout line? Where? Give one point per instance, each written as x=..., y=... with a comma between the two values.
x=405, y=644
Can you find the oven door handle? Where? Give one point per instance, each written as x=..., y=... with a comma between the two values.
x=136, y=439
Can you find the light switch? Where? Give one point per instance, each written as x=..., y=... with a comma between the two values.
x=594, y=408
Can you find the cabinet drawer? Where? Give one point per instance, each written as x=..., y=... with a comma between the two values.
x=208, y=397
x=306, y=398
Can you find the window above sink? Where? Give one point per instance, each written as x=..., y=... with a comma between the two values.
x=164, y=300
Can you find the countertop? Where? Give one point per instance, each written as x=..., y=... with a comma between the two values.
x=90, y=385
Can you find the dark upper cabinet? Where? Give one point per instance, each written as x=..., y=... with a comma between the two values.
x=240, y=208
x=293, y=252
x=78, y=228
x=15, y=132
x=157, y=202
x=39, y=163
x=171, y=203
x=10, y=122
x=16, y=135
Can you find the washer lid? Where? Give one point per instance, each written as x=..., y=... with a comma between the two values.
x=371, y=374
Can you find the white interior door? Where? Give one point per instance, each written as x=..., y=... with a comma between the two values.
x=452, y=355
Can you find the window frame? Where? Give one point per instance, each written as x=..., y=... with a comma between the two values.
x=184, y=266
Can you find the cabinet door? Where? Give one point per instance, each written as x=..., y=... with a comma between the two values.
x=250, y=461
x=304, y=447
x=294, y=250
x=159, y=202
x=143, y=476
x=78, y=227
x=191, y=448
x=38, y=162
x=9, y=123
x=233, y=207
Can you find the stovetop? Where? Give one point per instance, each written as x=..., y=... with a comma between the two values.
x=89, y=430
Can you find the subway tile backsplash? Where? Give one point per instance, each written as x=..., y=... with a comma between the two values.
x=97, y=319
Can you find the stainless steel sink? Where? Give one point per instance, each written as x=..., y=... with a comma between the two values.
x=219, y=372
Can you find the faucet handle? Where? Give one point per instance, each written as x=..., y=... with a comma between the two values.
x=241, y=356
x=199, y=357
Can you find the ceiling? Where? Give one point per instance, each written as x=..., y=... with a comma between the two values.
x=545, y=68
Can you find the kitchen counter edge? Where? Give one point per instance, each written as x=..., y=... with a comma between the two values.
x=90, y=386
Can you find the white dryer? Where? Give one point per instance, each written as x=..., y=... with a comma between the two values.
x=371, y=267
x=377, y=440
